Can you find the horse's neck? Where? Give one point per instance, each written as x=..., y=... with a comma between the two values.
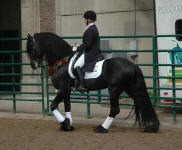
x=53, y=54
x=50, y=60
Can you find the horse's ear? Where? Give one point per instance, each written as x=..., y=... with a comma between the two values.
x=29, y=36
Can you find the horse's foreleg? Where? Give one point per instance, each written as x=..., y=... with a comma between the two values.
x=114, y=110
x=65, y=122
x=67, y=107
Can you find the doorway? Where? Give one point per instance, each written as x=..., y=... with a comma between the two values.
x=10, y=27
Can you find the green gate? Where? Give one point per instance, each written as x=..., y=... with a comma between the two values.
x=16, y=90
x=94, y=97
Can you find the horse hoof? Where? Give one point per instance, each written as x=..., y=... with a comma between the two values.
x=65, y=125
x=150, y=129
x=100, y=129
x=71, y=128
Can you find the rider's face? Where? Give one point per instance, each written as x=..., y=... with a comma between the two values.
x=87, y=21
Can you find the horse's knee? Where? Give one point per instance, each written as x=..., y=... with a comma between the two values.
x=114, y=111
x=53, y=106
x=59, y=97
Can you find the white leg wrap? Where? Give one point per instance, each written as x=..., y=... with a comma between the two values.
x=107, y=123
x=68, y=115
x=58, y=116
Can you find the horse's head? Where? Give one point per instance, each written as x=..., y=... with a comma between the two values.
x=34, y=52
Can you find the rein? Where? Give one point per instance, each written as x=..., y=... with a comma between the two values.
x=53, y=68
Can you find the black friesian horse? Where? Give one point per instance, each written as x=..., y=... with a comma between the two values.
x=118, y=75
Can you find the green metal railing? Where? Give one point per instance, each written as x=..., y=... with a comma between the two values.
x=97, y=97
x=13, y=94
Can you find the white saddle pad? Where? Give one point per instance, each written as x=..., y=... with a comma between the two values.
x=88, y=75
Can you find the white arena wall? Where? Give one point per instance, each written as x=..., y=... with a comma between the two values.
x=116, y=17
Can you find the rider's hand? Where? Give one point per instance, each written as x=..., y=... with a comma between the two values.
x=74, y=49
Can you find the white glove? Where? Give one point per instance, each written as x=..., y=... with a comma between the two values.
x=74, y=49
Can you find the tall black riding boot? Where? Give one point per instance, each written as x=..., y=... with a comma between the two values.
x=80, y=76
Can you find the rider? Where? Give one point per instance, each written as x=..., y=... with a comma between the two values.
x=89, y=48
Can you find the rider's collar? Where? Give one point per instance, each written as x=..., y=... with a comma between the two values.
x=88, y=26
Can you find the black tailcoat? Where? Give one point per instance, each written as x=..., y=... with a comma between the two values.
x=91, y=47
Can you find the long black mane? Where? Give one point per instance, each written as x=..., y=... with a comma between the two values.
x=52, y=46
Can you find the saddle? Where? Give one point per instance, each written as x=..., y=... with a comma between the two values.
x=88, y=75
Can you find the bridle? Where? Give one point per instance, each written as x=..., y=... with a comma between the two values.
x=34, y=51
x=34, y=45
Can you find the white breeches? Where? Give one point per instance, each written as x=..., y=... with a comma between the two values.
x=80, y=61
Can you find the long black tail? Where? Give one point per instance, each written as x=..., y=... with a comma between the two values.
x=144, y=111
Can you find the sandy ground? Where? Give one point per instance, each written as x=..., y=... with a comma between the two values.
x=31, y=134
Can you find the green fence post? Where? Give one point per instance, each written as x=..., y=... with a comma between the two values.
x=42, y=87
x=98, y=96
x=88, y=105
x=47, y=90
x=154, y=41
x=13, y=80
x=99, y=91
x=173, y=87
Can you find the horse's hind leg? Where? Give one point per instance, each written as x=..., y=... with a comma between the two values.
x=114, y=110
